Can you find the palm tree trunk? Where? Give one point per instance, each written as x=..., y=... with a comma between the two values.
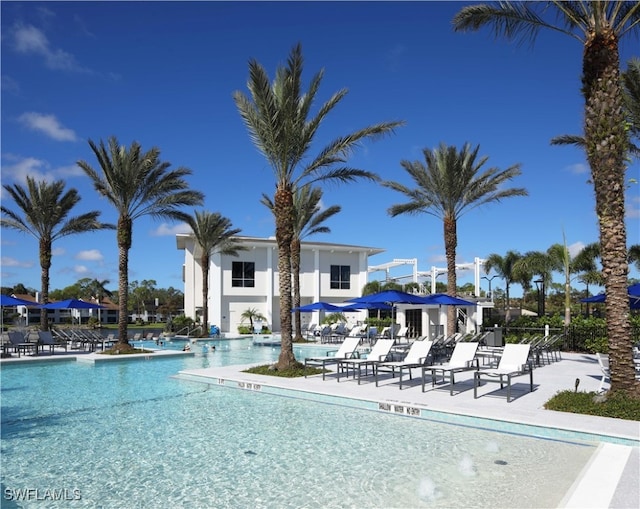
x=606, y=144
x=204, y=261
x=450, y=245
x=124, y=244
x=45, y=265
x=295, y=270
x=283, y=211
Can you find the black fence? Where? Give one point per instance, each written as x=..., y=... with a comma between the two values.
x=576, y=338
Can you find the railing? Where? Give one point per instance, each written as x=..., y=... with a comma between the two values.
x=187, y=330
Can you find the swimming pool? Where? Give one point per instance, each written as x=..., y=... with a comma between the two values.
x=128, y=434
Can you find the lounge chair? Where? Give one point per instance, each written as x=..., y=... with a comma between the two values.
x=346, y=351
x=402, y=334
x=463, y=358
x=603, y=362
x=45, y=338
x=20, y=344
x=416, y=357
x=379, y=353
x=514, y=362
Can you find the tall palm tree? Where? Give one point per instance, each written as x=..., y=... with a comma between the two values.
x=504, y=267
x=634, y=255
x=450, y=184
x=598, y=26
x=213, y=234
x=137, y=184
x=45, y=208
x=309, y=217
x=280, y=124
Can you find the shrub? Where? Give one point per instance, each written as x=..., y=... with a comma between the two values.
x=297, y=370
x=614, y=404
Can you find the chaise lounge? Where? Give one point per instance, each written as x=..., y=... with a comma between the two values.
x=462, y=359
x=379, y=353
x=416, y=357
x=514, y=362
x=347, y=350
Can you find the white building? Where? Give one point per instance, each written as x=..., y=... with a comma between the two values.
x=330, y=273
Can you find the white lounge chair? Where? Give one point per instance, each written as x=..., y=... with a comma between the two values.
x=603, y=362
x=346, y=351
x=514, y=362
x=416, y=357
x=463, y=358
x=379, y=353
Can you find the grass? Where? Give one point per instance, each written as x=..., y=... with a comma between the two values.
x=298, y=370
x=616, y=404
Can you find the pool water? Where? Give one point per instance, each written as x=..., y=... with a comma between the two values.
x=130, y=435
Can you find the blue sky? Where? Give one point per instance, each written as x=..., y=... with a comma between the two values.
x=163, y=74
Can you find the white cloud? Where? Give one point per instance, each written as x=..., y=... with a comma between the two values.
x=47, y=124
x=578, y=169
x=20, y=167
x=575, y=248
x=165, y=230
x=28, y=39
x=92, y=255
x=57, y=251
x=80, y=269
x=7, y=261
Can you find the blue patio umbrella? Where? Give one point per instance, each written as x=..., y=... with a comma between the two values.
x=446, y=300
x=634, y=297
x=318, y=306
x=391, y=298
x=357, y=306
x=72, y=304
x=8, y=300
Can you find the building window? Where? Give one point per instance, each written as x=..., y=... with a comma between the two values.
x=243, y=274
x=340, y=277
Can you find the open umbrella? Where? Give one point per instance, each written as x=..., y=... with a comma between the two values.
x=446, y=300
x=318, y=306
x=443, y=299
x=634, y=297
x=391, y=298
x=9, y=301
x=357, y=306
x=72, y=304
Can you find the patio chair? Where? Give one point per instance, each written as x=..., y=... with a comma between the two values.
x=379, y=353
x=603, y=362
x=417, y=356
x=20, y=344
x=514, y=362
x=45, y=338
x=462, y=359
x=402, y=335
x=346, y=351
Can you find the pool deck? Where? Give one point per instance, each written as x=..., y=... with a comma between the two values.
x=610, y=480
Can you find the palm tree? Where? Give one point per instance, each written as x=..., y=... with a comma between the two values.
x=503, y=266
x=213, y=234
x=98, y=290
x=44, y=215
x=277, y=116
x=137, y=184
x=449, y=185
x=252, y=314
x=599, y=26
x=309, y=217
x=634, y=255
